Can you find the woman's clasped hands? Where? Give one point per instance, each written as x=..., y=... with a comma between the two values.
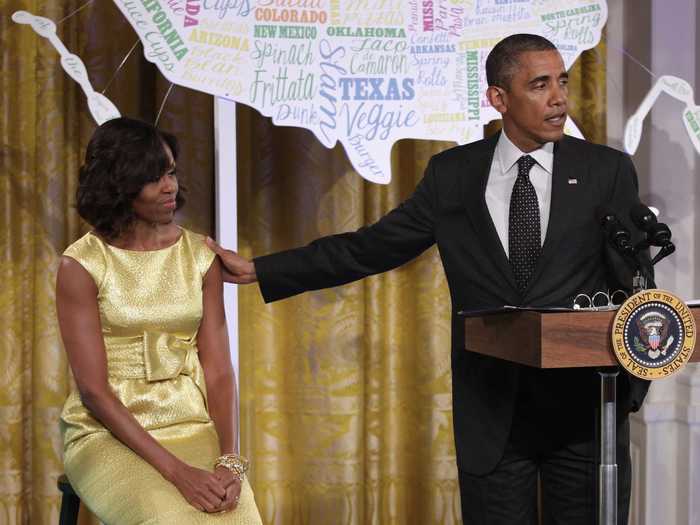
x=206, y=491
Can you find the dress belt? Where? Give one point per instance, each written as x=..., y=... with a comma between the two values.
x=155, y=356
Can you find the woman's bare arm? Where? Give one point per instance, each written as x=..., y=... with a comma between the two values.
x=79, y=322
x=214, y=354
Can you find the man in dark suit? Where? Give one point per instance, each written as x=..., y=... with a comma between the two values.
x=514, y=218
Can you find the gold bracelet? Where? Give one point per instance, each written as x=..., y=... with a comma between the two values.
x=235, y=463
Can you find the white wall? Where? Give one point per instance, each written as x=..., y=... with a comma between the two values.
x=663, y=35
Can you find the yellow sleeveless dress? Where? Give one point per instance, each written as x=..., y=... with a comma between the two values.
x=150, y=307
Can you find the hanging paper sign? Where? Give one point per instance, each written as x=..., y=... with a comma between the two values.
x=676, y=88
x=101, y=108
x=366, y=73
x=363, y=72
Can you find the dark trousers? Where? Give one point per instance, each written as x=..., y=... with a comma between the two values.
x=558, y=453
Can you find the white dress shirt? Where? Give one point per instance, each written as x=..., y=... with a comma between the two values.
x=502, y=175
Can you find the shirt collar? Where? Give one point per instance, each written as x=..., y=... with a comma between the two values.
x=508, y=154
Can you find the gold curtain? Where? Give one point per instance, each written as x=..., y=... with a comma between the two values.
x=41, y=130
x=346, y=393
x=588, y=97
x=44, y=130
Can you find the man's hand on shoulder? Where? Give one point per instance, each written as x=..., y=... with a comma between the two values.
x=236, y=269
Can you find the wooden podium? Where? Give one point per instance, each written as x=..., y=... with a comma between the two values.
x=541, y=339
x=563, y=339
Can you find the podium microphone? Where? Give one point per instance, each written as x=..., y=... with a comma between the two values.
x=657, y=233
x=617, y=235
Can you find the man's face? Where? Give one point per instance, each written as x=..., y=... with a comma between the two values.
x=533, y=108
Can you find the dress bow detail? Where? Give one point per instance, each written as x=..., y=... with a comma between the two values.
x=166, y=356
x=155, y=356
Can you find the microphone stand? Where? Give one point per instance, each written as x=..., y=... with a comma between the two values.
x=643, y=276
x=607, y=417
x=607, y=470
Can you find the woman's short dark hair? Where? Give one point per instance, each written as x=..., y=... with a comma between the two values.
x=503, y=58
x=122, y=156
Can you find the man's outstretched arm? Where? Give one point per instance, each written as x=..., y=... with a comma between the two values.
x=395, y=239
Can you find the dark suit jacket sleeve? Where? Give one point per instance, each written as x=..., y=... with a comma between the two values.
x=624, y=195
x=396, y=238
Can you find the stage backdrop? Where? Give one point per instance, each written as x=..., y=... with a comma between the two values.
x=345, y=397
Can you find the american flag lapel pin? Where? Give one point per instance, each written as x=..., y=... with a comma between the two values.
x=573, y=181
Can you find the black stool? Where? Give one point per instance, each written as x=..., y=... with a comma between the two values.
x=70, y=502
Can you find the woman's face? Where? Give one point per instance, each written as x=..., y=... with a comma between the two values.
x=156, y=201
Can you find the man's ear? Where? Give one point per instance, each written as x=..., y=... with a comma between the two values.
x=498, y=98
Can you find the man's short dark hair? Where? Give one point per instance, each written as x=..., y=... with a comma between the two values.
x=503, y=58
x=122, y=156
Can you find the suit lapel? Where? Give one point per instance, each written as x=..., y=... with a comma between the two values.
x=474, y=178
x=568, y=166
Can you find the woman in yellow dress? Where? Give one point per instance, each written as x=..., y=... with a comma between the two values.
x=150, y=435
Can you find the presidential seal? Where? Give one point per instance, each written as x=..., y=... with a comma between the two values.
x=653, y=334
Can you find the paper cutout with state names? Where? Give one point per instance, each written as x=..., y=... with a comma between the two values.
x=366, y=73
